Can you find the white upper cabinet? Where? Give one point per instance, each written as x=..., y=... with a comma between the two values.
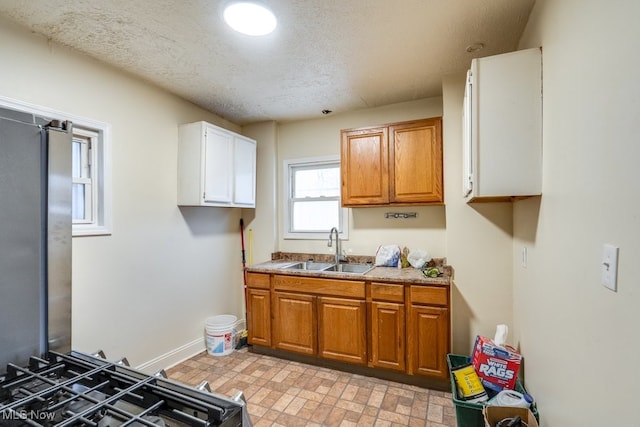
x=244, y=160
x=216, y=167
x=502, y=121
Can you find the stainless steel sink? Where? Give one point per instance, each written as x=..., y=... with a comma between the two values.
x=308, y=265
x=350, y=268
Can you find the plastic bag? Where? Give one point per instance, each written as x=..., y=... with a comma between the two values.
x=388, y=256
x=418, y=258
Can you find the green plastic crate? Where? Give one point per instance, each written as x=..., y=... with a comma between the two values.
x=470, y=414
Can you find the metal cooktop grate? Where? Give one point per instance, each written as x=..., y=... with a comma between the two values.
x=77, y=389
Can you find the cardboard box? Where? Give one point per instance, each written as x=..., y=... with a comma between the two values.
x=494, y=414
x=497, y=366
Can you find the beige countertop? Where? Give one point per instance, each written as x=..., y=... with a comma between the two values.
x=408, y=275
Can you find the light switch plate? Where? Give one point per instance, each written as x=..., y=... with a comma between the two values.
x=610, y=267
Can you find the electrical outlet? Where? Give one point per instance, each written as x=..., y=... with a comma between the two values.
x=610, y=267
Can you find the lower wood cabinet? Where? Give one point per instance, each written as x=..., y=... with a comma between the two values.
x=387, y=336
x=428, y=327
x=387, y=326
x=258, y=309
x=259, y=316
x=342, y=325
x=295, y=323
x=392, y=326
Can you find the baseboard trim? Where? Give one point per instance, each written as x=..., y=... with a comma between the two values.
x=173, y=357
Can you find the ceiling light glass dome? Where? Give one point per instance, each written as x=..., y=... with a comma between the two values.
x=250, y=18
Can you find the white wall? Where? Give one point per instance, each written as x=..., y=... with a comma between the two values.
x=367, y=226
x=479, y=241
x=580, y=340
x=146, y=290
x=262, y=222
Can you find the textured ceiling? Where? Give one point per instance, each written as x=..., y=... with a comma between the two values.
x=339, y=55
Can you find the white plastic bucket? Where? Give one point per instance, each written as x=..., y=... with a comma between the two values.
x=220, y=334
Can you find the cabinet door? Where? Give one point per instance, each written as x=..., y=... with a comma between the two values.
x=505, y=123
x=364, y=166
x=415, y=163
x=428, y=328
x=387, y=335
x=295, y=323
x=342, y=329
x=218, y=166
x=259, y=317
x=244, y=192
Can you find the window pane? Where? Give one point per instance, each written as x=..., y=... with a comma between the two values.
x=315, y=216
x=78, y=203
x=77, y=158
x=317, y=182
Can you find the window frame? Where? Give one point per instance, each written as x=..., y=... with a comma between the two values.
x=101, y=222
x=289, y=165
x=88, y=179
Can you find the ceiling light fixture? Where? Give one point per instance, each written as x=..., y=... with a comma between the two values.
x=250, y=18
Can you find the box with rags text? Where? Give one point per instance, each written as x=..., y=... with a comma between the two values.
x=497, y=366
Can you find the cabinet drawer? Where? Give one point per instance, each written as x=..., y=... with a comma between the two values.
x=257, y=280
x=387, y=292
x=429, y=295
x=310, y=285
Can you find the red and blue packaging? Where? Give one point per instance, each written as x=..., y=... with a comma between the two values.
x=497, y=366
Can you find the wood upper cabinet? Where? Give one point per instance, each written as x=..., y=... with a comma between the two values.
x=342, y=329
x=258, y=309
x=428, y=327
x=399, y=163
x=387, y=326
x=415, y=162
x=365, y=166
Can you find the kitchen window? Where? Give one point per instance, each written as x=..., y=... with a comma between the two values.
x=91, y=151
x=91, y=205
x=85, y=167
x=313, y=199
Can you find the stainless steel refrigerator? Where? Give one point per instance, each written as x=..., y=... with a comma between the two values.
x=35, y=236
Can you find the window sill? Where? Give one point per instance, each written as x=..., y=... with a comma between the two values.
x=81, y=230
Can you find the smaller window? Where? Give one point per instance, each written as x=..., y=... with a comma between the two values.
x=91, y=206
x=313, y=199
x=85, y=168
x=91, y=163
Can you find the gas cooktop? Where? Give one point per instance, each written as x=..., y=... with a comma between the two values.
x=78, y=389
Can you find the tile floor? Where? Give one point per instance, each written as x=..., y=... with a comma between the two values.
x=290, y=394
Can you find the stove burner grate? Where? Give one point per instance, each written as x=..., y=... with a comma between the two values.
x=81, y=390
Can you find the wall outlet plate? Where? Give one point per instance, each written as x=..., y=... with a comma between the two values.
x=610, y=267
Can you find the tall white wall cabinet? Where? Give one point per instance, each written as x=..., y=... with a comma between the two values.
x=216, y=167
x=502, y=143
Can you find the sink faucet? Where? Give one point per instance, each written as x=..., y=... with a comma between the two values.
x=339, y=257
